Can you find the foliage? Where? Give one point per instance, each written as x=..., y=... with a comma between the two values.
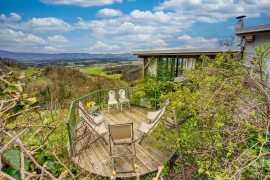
x=92, y=71
x=30, y=134
x=99, y=71
x=64, y=84
x=223, y=119
x=164, y=69
x=11, y=63
x=260, y=62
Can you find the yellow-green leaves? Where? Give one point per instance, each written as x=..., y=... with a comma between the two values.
x=31, y=100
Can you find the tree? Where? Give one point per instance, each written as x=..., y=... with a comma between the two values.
x=223, y=120
x=229, y=41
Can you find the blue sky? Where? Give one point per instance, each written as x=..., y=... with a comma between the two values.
x=119, y=26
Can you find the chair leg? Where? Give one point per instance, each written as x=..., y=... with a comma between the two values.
x=108, y=107
x=117, y=107
x=104, y=140
x=128, y=105
x=142, y=138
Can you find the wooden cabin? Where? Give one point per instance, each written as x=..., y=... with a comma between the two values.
x=251, y=38
x=173, y=63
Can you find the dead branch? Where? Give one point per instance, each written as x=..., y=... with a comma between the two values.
x=73, y=177
x=24, y=111
x=13, y=139
x=22, y=166
x=18, y=141
x=160, y=169
x=179, y=149
x=260, y=153
x=4, y=176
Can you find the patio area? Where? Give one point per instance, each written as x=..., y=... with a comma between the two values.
x=96, y=158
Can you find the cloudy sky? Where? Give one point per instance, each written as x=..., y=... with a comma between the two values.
x=118, y=26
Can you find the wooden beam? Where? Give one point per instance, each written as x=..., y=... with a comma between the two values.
x=249, y=38
x=149, y=62
x=173, y=67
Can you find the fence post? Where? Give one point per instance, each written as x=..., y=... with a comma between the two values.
x=155, y=99
x=70, y=138
x=100, y=100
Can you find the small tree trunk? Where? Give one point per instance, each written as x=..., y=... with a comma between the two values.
x=180, y=149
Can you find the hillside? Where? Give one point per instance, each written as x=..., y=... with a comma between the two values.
x=37, y=57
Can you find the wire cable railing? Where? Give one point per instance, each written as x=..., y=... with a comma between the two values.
x=137, y=96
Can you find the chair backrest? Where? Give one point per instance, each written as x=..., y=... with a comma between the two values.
x=85, y=115
x=163, y=109
x=121, y=131
x=161, y=113
x=111, y=95
x=159, y=117
x=122, y=94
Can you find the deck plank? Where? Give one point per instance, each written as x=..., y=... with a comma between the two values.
x=96, y=158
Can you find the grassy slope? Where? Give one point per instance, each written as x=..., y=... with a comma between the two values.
x=98, y=71
x=30, y=71
x=92, y=71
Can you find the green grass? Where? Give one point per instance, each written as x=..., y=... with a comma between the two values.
x=98, y=71
x=113, y=76
x=42, y=79
x=29, y=71
x=92, y=71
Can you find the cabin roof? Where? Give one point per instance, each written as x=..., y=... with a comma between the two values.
x=188, y=51
x=253, y=30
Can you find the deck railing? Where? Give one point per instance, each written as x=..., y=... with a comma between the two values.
x=137, y=96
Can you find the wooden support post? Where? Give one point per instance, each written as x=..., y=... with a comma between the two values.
x=173, y=67
x=146, y=64
x=143, y=70
x=180, y=149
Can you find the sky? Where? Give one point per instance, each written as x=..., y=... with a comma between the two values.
x=122, y=26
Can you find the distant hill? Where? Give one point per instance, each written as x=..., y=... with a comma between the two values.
x=37, y=57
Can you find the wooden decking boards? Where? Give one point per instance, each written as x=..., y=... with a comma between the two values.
x=96, y=158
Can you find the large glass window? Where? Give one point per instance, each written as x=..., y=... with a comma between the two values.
x=183, y=64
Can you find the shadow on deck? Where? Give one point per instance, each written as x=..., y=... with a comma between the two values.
x=96, y=158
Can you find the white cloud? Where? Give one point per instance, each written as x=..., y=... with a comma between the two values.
x=103, y=48
x=82, y=3
x=3, y=17
x=52, y=49
x=35, y=39
x=211, y=11
x=15, y=17
x=17, y=40
x=9, y=35
x=12, y=17
x=138, y=30
x=44, y=25
x=187, y=41
x=57, y=38
x=108, y=13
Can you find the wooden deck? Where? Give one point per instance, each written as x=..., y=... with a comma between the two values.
x=96, y=158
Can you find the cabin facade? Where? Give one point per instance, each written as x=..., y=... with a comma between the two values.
x=251, y=37
x=173, y=63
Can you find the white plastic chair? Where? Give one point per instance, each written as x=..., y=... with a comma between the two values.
x=112, y=101
x=123, y=99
